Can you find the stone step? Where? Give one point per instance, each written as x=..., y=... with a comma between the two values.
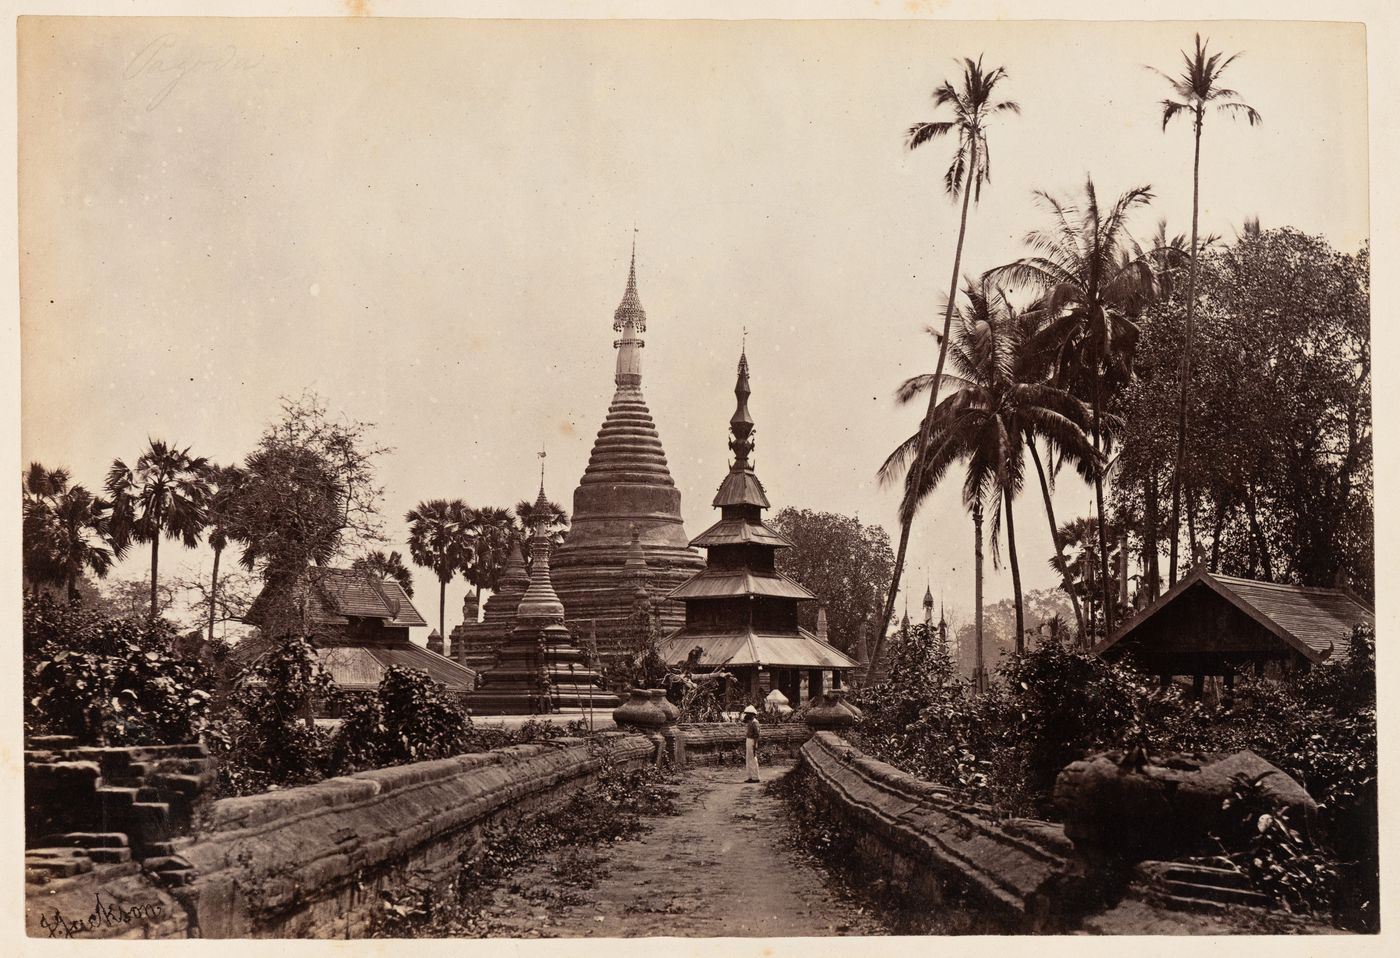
x=109, y=856
x=85, y=840
x=46, y=864
x=113, y=799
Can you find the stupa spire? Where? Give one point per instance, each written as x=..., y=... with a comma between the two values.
x=540, y=601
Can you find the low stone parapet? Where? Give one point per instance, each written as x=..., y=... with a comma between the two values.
x=932, y=847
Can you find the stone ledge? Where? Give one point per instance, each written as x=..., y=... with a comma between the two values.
x=931, y=842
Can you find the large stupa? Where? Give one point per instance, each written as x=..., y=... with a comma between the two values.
x=625, y=489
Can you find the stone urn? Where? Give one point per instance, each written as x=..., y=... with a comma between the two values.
x=831, y=712
x=643, y=709
x=673, y=712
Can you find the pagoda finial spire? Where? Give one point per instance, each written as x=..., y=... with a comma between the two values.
x=629, y=319
x=741, y=487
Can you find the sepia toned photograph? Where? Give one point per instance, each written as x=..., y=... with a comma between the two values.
x=695, y=479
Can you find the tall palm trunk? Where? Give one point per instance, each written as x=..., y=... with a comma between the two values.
x=1186, y=351
x=1015, y=574
x=1151, y=546
x=442, y=607
x=214, y=593
x=925, y=430
x=155, y=568
x=1063, y=566
x=981, y=678
x=1098, y=506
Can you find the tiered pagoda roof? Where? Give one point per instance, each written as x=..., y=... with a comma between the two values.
x=740, y=610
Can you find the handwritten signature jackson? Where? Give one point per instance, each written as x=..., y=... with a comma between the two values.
x=103, y=915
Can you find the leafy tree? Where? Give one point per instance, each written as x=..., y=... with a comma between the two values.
x=1277, y=481
x=164, y=495
x=1093, y=280
x=289, y=518
x=973, y=108
x=1193, y=91
x=108, y=681
x=988, y=421
x=348, y=452
x=844, y=563
x=386, y=566
x=439, y=538
x=309, y=495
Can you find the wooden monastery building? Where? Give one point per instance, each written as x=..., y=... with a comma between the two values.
x=359, y=625
x=1219, y=625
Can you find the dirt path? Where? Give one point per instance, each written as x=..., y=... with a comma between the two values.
x=722, y=867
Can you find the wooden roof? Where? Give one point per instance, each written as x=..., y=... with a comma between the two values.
x=1316, y=622
x=337, y=595
x=751, y=647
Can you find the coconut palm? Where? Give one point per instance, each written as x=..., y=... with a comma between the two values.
x=973, y=107
x=988, y=420
x=491, y=539
x=1093, y=281
x=221, y=518
x=164, y=495
x=1194, y=91
x=439, y=538
x=384, y=565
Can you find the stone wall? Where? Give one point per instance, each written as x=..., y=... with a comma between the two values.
x=937, y=851
x=311, y=861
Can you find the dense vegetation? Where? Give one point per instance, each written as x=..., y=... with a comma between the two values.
x=1056, y=703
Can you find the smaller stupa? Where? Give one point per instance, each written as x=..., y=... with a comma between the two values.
x=474, y=644
x=538, y=668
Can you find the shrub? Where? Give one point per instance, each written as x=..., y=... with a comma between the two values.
x=107, y=680
x=410, y=718
x=268, y=736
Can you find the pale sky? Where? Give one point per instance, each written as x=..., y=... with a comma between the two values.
x=428, y=223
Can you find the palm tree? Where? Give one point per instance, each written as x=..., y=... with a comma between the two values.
x=439, y=538
x=973, y=108
x=556, y=523
x=988, y=420
x=66, y=531
x=163, y=496
x=384, y=565
x=491, y=539
x=1093, y=281
x=1192, y=92
x=225, y=483
x=39, y=491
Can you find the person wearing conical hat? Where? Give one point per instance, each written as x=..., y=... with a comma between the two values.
x=751, y=743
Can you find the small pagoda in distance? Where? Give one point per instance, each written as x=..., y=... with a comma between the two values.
x=474, y=644
x=740, y=612
x=538, y=669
